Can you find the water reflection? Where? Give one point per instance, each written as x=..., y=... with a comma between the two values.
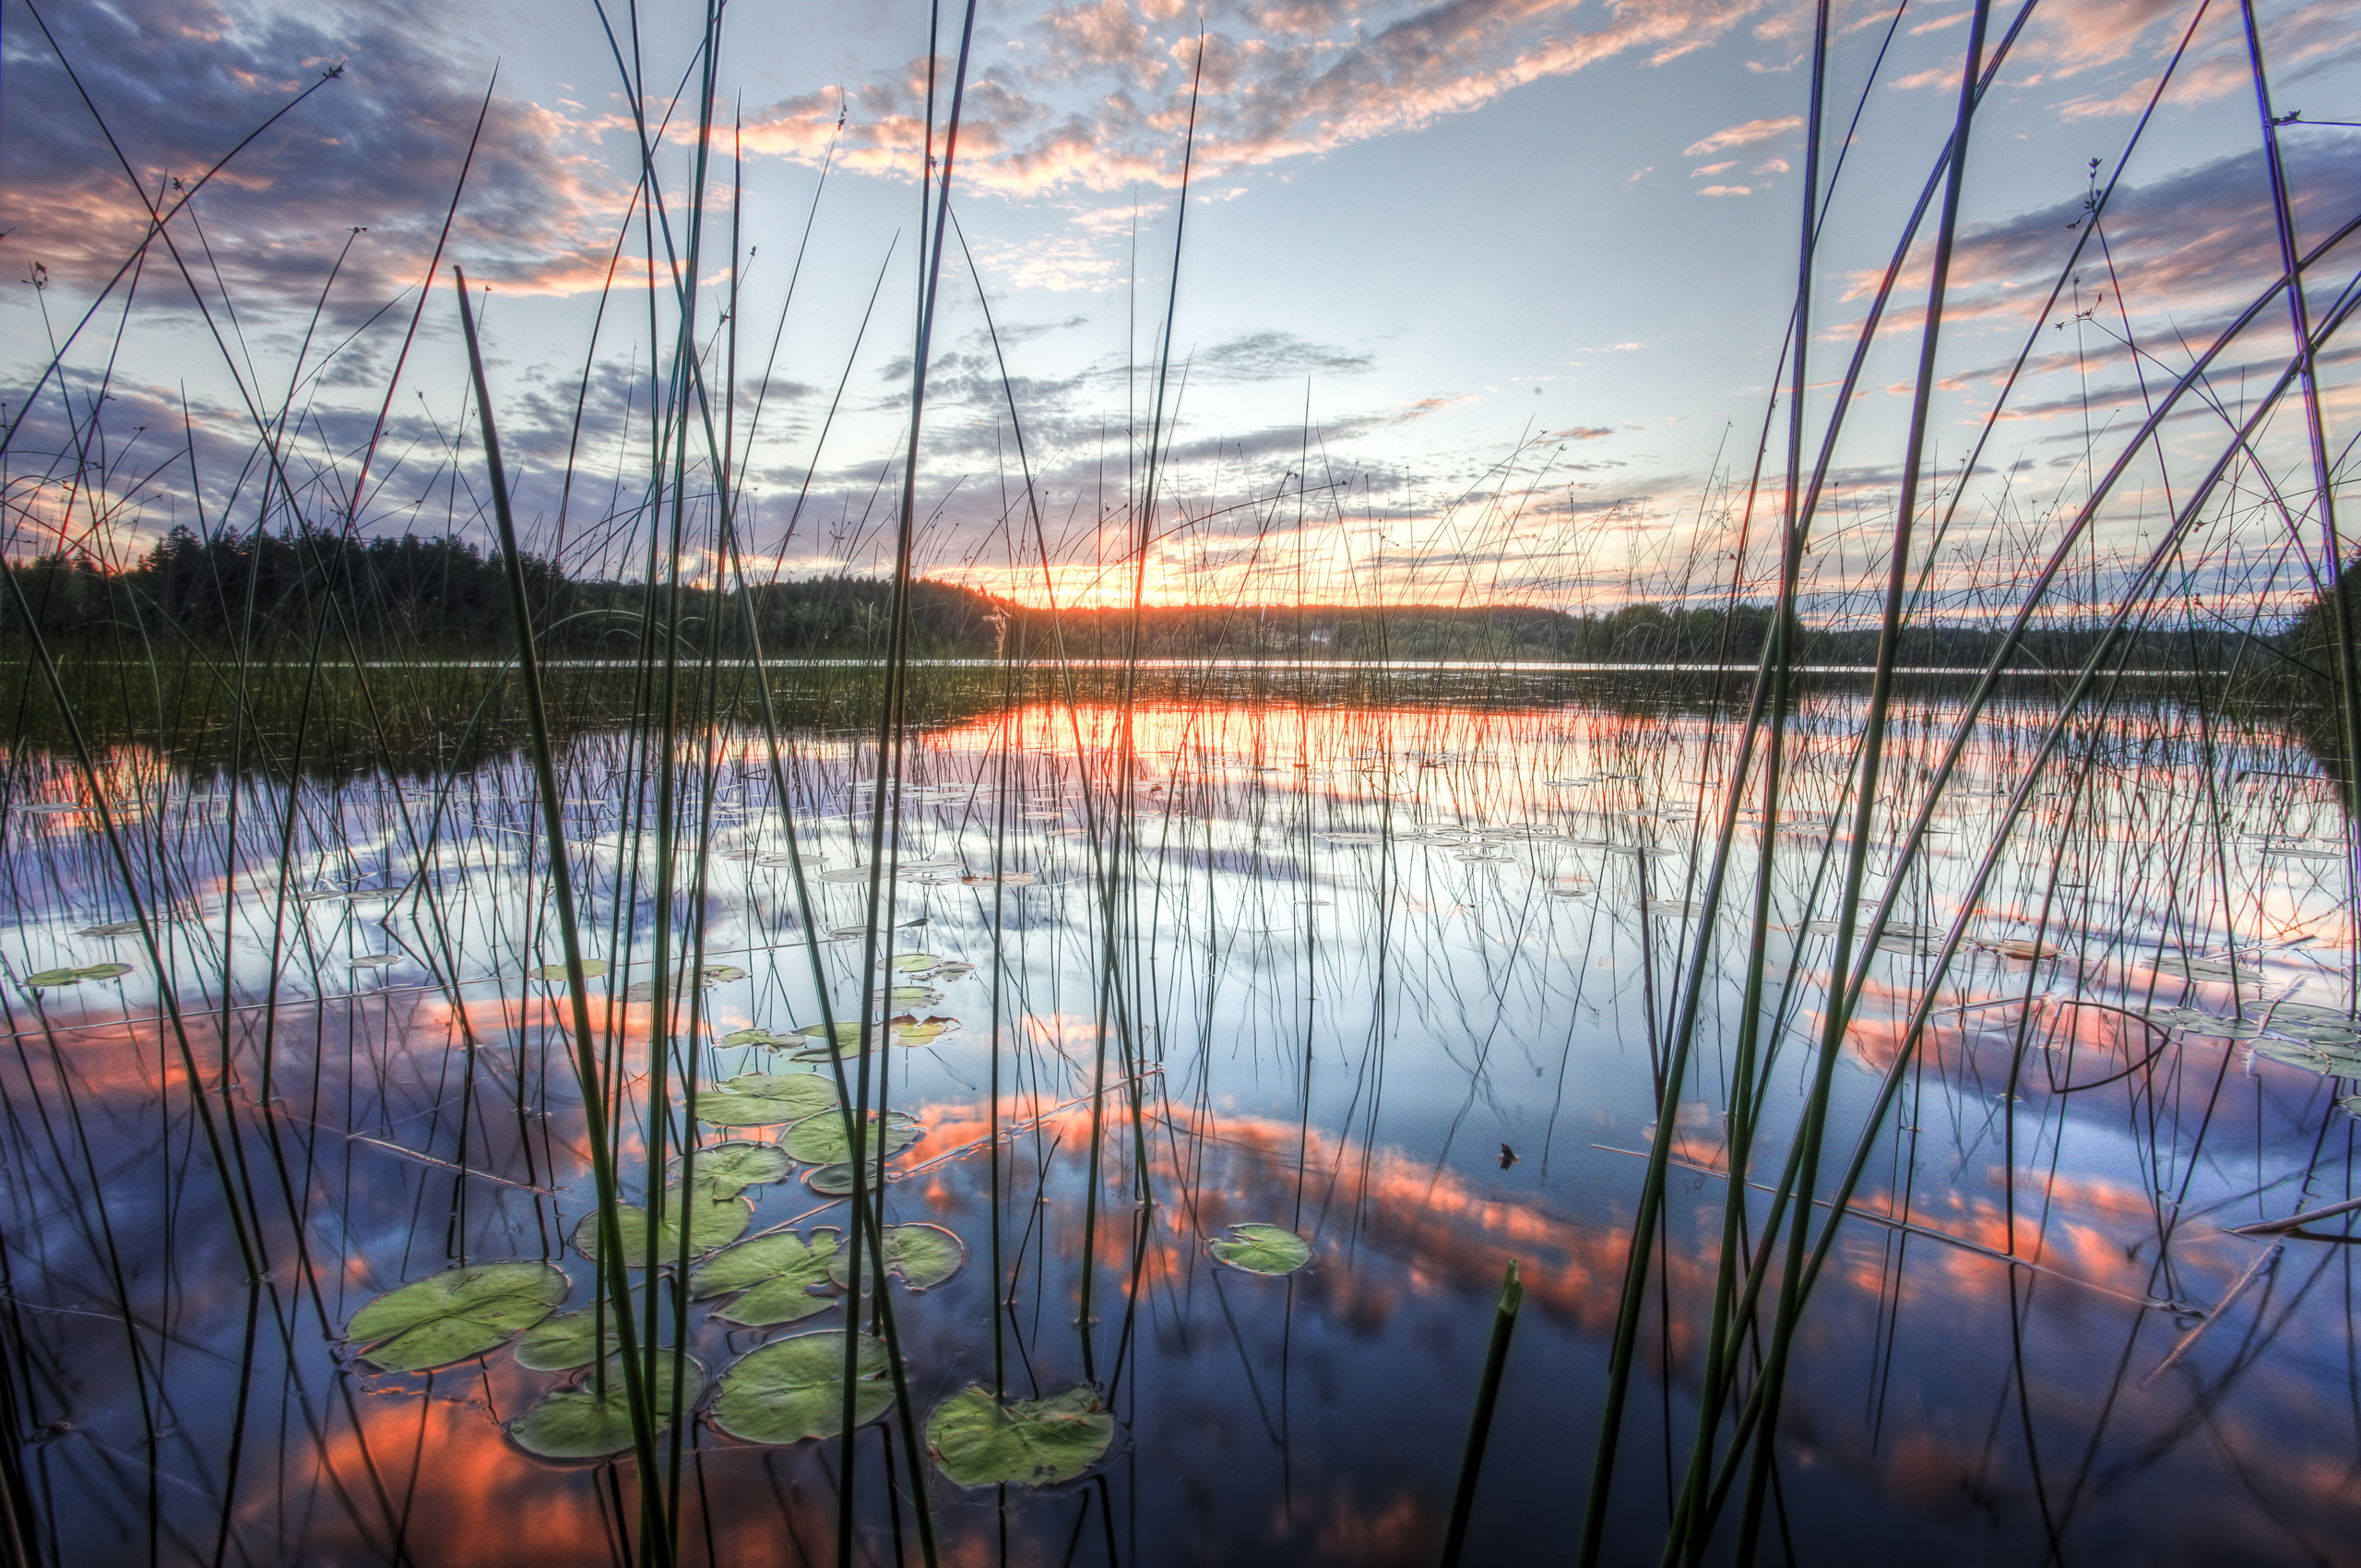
x=1357, y=950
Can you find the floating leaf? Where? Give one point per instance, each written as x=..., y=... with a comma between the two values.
x=1007, y=878
x=794, y=1388
x=764, y=1099
x=562, y=1343
x=591, y=969
x=979, y=1441
x=1262, y=1249
x=847, y=1042
x=916, y=963
x=836, y=1181
x=376, y=960
x=913, y=1031
x=820, y=1140
x=719, y=974
x=2025, y=949
x=580, y=1421
x=726, y=1169
x=459, y=1313
x=714, y=1221
x=112, y=928
x=771, y=1277
x=846, y=873
x=2293, y=1054
x=920, y=1256
x=48, y=978
x=913, y=996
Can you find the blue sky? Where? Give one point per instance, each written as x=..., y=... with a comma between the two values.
x=1477, y=301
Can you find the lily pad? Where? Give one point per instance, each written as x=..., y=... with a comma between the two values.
x=591, y=969
x=51, y=978
x=758, y=1037
x=112, y=928
x=764, y=1099
x=820, y=1140
x=920, y=1256
x=2025, y=949
x=459, y=1313
x=793, y=1388
x=771, y=1279
x=913, y=1031
x=979, y=1441
x=1262, y=1249
x=714, y=1221
x=563, y=1342
x=579, y=1421
x=836, y=1181
x=726, y=1169
x=916, y=963
x=913, y=996
x=849, y=1042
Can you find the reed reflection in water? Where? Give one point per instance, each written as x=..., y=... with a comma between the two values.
x=1397, y=980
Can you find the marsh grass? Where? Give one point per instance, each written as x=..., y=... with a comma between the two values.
x=1216, y=931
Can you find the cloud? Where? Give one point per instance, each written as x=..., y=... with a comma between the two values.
x=1746, y=134
x=1725, y=166
x=1096, y=99
x=1727, y=191
x=2192, y=241
x=180, y=82
x=1272, y=356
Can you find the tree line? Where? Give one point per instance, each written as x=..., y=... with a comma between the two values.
x=438, y=596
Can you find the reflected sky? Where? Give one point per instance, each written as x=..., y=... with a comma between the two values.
x=1394, y=979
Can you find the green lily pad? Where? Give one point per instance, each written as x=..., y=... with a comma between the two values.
x=820, y=1140
x=112, y=928
x=758, y=1037
x=726, y=1169
x=793, y=1388
x=459, y=1313
x=771, y=1279
x=913, y=996
x=836, y=1181
x=49, y=978
x=578, y=1421
x=911, y=1030
x=591, y=969
x=563, y=1342
x=916, y=963
x=979, y=1441
x=714, y=1221
x=920, y=1256
x=1262, y=1249
x=847, y=1042
x=764, y=1099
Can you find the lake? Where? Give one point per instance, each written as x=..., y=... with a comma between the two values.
x=1399, y=980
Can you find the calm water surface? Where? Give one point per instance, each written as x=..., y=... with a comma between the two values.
x=1397, y=980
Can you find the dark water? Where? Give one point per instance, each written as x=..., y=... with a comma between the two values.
x=1345, y=990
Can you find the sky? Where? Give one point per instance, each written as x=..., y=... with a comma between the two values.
x=1467, y=302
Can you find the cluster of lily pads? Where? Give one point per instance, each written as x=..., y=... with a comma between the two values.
x=786, y=1391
